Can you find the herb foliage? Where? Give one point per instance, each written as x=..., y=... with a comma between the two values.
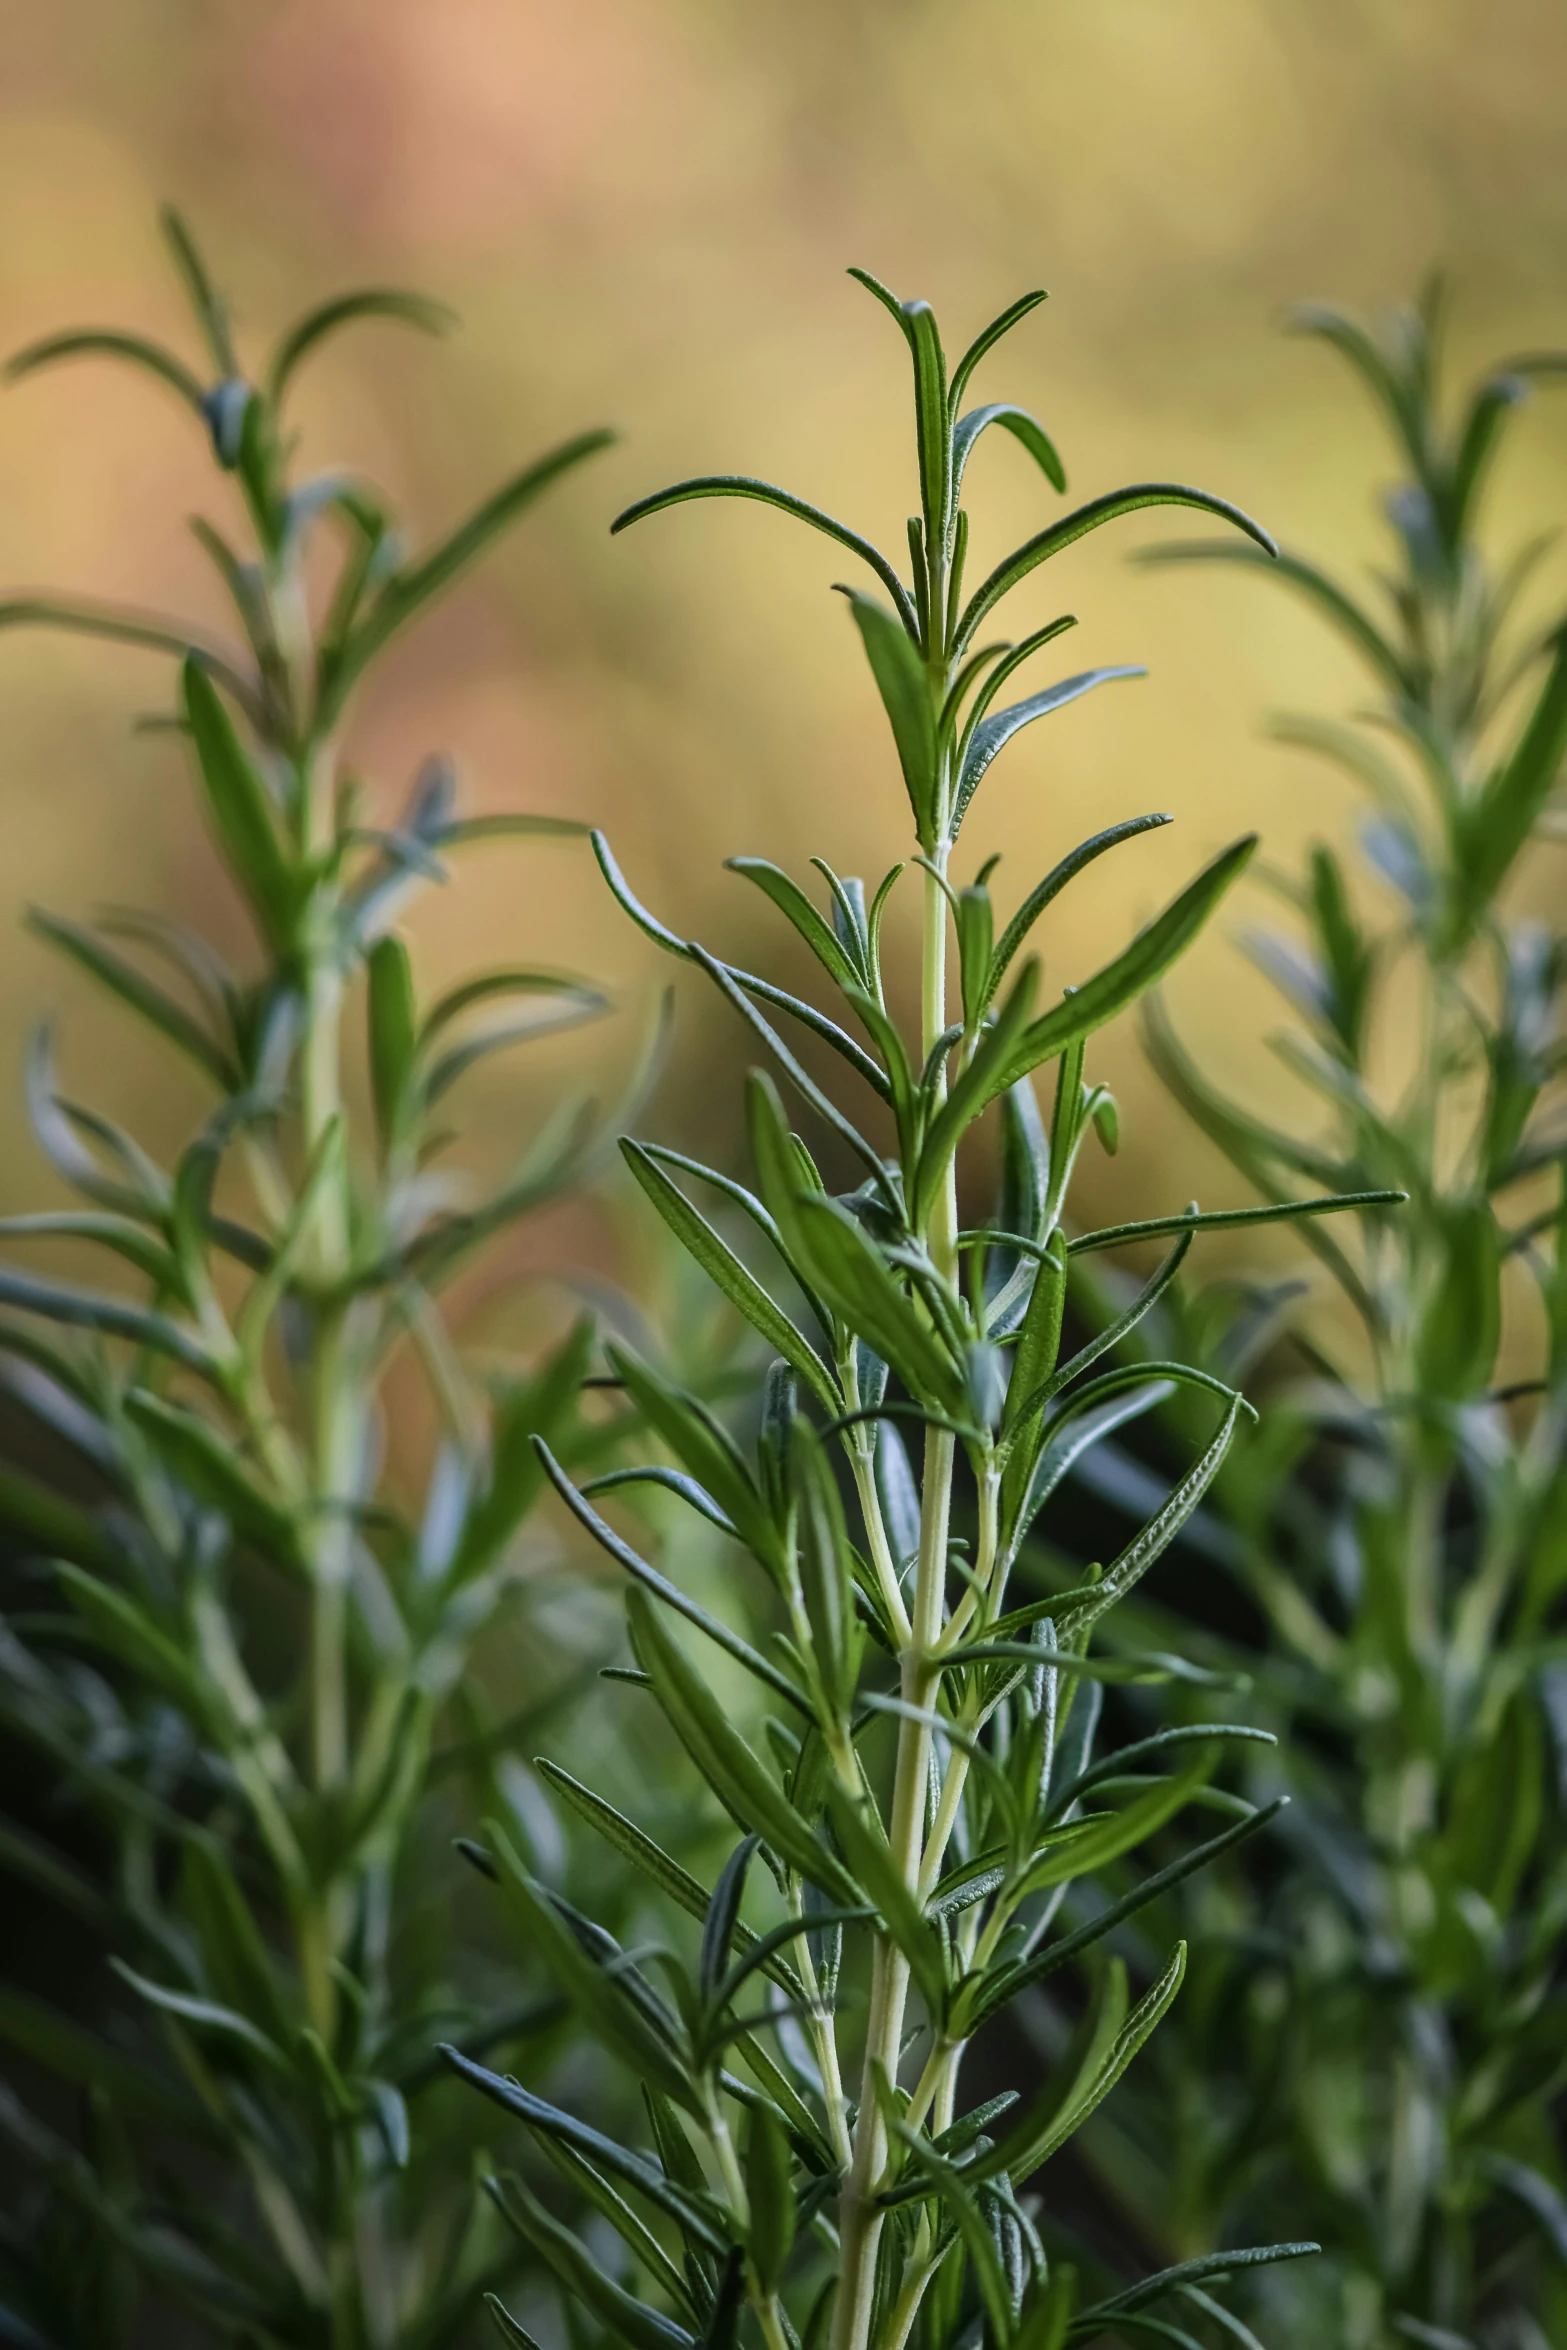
x=1399, y=2080
x=907, y=1754
x=234, y=1666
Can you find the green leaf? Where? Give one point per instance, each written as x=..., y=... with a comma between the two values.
x=186, y=952
x=1076, y=525
x=974, y=921
x=202, y=1459
x=685, y=2209
x=648, y=1578
x=512, y=2332
x=210, y=309
x=918, y=323
x=846, y=1269
x=44, y=1523
x=1160, y=1531
x=979, y=1084
x=633, y=2231
x=281, y=1263
x=778, y=2090
x=1115, y=1832
x=207, y=2015
x=702, y=1445
x=124, y=624
x=827, y=1110
x=735, y=1279
x=1134, y=970
x=758, y=1954
x=241, y=811
x=1351, y=341
x=1104, y=1340
x=127, y=1630
x=1131, y=1666
x=904, y=685
x=982, y=2000
x=596, y=1979
x=769, y=2187
x=121, y=1234
x=620, y=890
x=628, y=1839
x=1488, y=411
x=394, y=1028
x=1121, y=1759
x=1046, y=2323
x=1033, y=1366
x=721, y=1918
x=739, y=1779
x=1078, y=2066
x=109, y=343
x=235, y=1959
x=489, y=984
x=569, y=1011
x=812, y=925
x=1033, y=2141
x=731, y=979
x=1008, y=660
x=949, y=2183
x=736, y=485
x=625, y=2318
x=1255, y=1149
x=80, y=1309
x=1022, y=427
x=1216, y=1219
x=571, y=1142
x=410, y=589
x=656, y=1864
x=988, y=338
x=1459, y=1322
x=464, y=830
x=992, y=734
x=826, y=1572
x=1211, y=2265
x=672, y=1481
x=150, y=1003
x=1505, y=813
x=391, y=302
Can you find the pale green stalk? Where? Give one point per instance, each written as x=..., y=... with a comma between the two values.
x=861, y=2222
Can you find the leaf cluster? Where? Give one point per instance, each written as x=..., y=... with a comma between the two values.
x=244, y=1631
x=1402, y=1534
x=907, y=1752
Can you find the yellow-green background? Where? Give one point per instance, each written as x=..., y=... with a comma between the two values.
x=643, y=210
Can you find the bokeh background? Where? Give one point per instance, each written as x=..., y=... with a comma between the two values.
x=642, y=210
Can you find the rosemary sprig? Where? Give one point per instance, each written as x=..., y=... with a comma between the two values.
x=248, y=1646
x=904, y=1765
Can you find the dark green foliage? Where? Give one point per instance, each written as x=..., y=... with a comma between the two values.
x=234, y=1666
x=904, y=1754
x=1380, y=2056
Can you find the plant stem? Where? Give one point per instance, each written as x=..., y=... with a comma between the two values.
x=337, y=1409
x=860, y=2222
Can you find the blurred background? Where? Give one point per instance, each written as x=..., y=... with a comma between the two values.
x=642, y=210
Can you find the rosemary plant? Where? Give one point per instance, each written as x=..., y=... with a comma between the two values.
x=233, y=1664
x=1402, y=2075
x=924, y=1823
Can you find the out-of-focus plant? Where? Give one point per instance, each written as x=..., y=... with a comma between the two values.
x=1381, y=2049
x=925, y=1825
x=236, y=1665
